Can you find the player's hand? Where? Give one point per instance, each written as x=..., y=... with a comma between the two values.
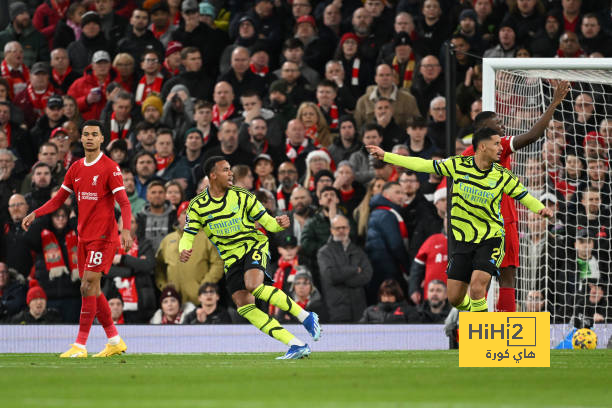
x=185, y=255
x=416, y=298
x=545, y=212
x=28, y=220
x=126, y=240
x=376, y=151
x=283, y=221
x=561, y=90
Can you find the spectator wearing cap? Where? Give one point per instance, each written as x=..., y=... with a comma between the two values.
x=218, y=22
x=357, y=71
x=68, y=28
x=132, y=275
x=468, y=27
x=304, y=292
x=12, y=292
x=47, y=16
x=293, y=51
x=47, y=153
x=317, y=51
x=138, y=39
x=178, y=112
x=152, y=109
x=193, y=33
x=20, y=29
x=316, y=161
x=278, y=94
x=247, y=36
x=92, y=39
x=33, y=99
x=240, y=76
x=506, y=36
x=268, y=21
x=172, y=59
x=37, y=311
x=387, y=238
x=287, y=265
x=53, y=117
x=13, y=70
x=546, y=39
x=432, y=29
x=193, y=76
x=210, y=310
x=112, y=24
x=348, y=142
x=54, y=244
x=260, y=60
x=172, y=310
x=161, y=25
x=205, y=266
x=345, y=270
x=402, y=60
x=88, y=90
x=403, y=103
x=62, y=75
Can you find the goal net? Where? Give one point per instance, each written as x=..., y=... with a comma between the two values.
x=565, y=263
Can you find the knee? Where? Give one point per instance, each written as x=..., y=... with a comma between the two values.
x=477, y=290
x=243, y=298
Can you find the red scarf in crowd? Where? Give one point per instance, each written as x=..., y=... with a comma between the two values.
x=217, y=118
x=121, y=320
x=333, y=114
x=259, y=71
x=280, y=278
x=59, y=79
x=292, y=153
x=172, y=71
x=281, y=203
x=177, y=319
x=144, y=88
x=54, y=259
x=39, y=100
x=127, y=286
x=408, y=71
x=18, y=78
x=400, y=222
x=7, y=130
x=347, y=195
x=115, y=128
x=355, y=72
x=158, y=33
x=163, y=162
x=312, y=133
x=394, y=174
x=561, y=54
x=60, y=8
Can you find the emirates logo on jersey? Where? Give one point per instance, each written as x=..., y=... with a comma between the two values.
x=95, y=180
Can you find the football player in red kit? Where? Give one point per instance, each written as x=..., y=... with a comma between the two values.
x=97, y=183
x=488, y=119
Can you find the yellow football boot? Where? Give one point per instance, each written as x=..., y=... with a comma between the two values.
x=74, y=352
x=110, y=350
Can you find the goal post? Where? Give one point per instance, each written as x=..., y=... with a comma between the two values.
x=567, y=261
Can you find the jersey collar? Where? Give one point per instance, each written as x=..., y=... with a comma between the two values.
x=93, y=162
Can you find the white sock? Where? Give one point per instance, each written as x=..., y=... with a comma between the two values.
x=296, y=342
x=113, y=341
x=303, y=315
x=79, y=345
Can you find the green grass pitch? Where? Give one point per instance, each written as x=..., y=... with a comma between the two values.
x=349, y=379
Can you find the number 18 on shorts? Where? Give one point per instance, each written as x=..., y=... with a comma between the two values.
x=96, y=256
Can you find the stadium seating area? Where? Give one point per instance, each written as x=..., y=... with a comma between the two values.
x=290, y=91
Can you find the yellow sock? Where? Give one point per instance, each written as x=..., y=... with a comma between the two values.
x=465, y=305
x=265, y=323
x=479, y=305
x=280, y=299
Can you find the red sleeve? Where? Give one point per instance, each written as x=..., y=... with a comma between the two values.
x=54, y=203
x=126, y=211
x=115, y=179
x=421, y=256
x=469, y=151
x=506, y=143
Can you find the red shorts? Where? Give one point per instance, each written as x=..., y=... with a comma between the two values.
x=96, y=256
x=511, y=258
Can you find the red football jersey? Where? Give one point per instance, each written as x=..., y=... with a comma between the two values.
x=94, y=185
x=508, y=209
x=434, y=255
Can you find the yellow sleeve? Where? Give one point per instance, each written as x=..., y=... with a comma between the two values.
x=193, y=223
x=257, y=212
x=417, y=164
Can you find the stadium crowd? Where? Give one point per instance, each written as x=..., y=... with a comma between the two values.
x=289, y=91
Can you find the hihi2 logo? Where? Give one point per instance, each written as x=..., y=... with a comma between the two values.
x=504, y=339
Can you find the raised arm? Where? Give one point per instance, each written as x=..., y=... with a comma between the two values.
x=538, y=128
x=412, y=163
x=257, y=212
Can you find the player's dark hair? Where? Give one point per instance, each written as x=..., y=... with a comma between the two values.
x=481, y=118
x=211, y=162
x=390, y=184
x=482, y=134
x=93, y=122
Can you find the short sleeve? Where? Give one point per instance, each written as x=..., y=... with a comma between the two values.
x=68, y=184
x=421, y=256
x=506, y=143
x=115, y=179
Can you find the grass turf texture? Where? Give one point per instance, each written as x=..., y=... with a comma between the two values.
x=369, y=379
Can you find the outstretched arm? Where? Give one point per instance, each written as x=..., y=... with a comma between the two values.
x=538, y=128
x=412, y=163
x=47, y=208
